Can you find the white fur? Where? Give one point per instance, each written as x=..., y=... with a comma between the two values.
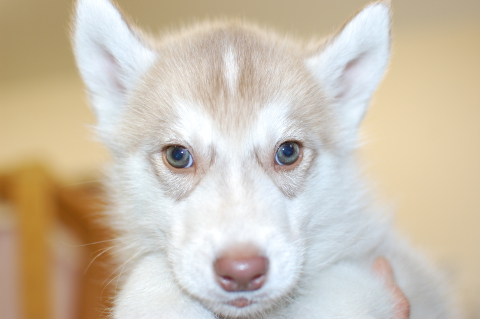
x=231, y=69
x=110, y=65
x=315, y=223
x=351, y=67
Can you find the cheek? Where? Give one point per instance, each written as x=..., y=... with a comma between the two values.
x=176, y=185
x=291, y=181
x=182, y=225
x=298, y=216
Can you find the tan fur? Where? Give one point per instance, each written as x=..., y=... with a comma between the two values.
x=266, y=66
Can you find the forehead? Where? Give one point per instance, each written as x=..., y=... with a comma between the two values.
x=229, y=76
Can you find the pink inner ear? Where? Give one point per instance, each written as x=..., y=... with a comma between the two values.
x=350, y=75
x=113, y=72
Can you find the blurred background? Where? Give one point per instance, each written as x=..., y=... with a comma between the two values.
x=421, y=141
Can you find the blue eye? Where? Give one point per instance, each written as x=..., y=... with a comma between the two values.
x=288, y=153
x=179, y=157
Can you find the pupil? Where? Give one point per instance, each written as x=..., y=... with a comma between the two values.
x=178, y=153
x=288, y=150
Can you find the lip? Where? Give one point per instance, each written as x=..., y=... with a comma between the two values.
x=240, y=302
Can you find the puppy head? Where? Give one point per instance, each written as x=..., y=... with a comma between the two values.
x=230, y=144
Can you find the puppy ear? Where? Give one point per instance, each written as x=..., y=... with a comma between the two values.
x=350, y=65
x=110, y=55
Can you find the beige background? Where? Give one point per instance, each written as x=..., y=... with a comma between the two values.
x=422, y=135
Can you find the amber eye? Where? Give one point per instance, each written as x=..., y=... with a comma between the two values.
x=288, y=153
x=178, y=156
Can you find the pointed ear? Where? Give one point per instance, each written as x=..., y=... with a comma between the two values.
x=351, y=64
x=110, y=55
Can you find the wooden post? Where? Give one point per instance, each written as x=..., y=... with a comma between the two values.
x=33, y=197
x=80, y=208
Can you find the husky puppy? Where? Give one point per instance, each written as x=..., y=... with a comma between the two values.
x=234, y=187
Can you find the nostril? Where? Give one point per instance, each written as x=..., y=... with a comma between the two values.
x=240, y=273
x=226, y=279
x=257, y=282
x=258, y=277
x=227, y=283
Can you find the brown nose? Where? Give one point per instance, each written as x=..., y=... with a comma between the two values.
x=241, y=273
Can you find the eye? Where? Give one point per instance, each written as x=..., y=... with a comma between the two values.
x=288, y=153
x=178, y=156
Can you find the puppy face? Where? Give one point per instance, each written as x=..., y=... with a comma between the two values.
x=231, y=108
x=231, y=148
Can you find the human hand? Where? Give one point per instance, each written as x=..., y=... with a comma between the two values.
x=402, y=306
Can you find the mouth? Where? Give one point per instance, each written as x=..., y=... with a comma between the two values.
x=240, y=302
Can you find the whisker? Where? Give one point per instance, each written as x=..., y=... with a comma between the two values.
x=89, y=244
x=116, y=270
x=98, y=255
